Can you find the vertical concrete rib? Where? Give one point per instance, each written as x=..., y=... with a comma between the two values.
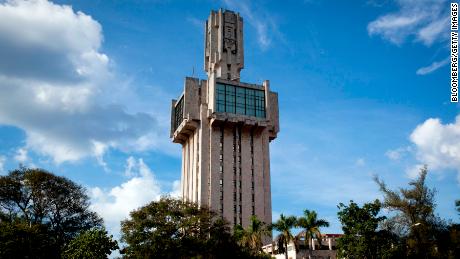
x=266, y=177
x=214, y=168
x=228, y=163
x=246, y=175
x=182, y=178
x=258, y=174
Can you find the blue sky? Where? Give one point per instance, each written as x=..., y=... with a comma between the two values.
x=85, y=91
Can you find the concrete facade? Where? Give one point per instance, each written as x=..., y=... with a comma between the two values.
x=225, y=155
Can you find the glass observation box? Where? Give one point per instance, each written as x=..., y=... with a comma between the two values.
x=240, y=100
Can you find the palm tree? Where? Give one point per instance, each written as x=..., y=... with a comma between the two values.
x=284, y=225
x=254, y=233
x=311, y=224
x=251, y=237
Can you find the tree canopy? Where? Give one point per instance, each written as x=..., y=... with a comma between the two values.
x=252, y=236
x=91, y=244
x=361, y=238
x=422, y=233
x=414, y=208
x=41, y=212
x=171, y=228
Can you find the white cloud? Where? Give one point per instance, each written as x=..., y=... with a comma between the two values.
x=55, y=83
x=115, y=204
x=438, y=144
x=21, y=155
x=393, y=154
x=130, y=166
x=427, y=21
x=434, y=30
x=176, y=191
x=2, y=163
x=433, y=67
x=262, y=22
x=397, y=154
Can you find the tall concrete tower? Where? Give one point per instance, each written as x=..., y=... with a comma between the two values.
x=224, y=127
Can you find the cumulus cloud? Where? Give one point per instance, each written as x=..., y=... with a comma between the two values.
x=114, y=204
x=438, y=144
x=53, y=78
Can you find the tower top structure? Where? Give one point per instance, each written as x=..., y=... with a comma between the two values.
x=224, y=53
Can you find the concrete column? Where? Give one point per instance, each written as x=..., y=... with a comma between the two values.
x=246, y=175
x=214, y=168
x=182, y=180
x=266, y=177
x=228, y=173
x=190, y=168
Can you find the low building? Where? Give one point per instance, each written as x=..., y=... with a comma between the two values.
x=322, y=249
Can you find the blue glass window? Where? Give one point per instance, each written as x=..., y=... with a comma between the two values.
x=240, y=100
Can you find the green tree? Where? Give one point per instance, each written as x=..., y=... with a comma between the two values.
x=414, y=208
x=20, y=239
x=171, y=228
x=361, y=239
x=311, y=225
x=284, y=225
x=90, y=244
x=53, y=207
x=251, y=237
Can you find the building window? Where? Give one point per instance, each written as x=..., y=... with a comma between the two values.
x=240, y=100
x=178, y=112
